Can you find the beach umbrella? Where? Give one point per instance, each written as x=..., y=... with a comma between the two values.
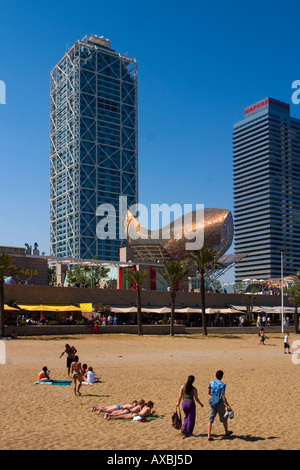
x=69, y=308
x=210, y=311
x=156, y=310
x=226, y=310
x=124, y=309
x=48, y=308
x=188, y=310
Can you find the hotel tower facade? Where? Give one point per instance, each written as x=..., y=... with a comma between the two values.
x=266, y=148
x=93, y=145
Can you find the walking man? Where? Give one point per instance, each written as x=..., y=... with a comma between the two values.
x=217, y=403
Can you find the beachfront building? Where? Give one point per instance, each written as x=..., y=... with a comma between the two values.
x=267, y=191
x=93, y=146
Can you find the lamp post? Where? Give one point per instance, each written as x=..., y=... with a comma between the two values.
x=282, y=307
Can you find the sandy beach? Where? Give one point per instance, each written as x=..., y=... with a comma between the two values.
x=262, y=388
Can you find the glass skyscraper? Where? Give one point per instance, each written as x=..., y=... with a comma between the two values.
x=266, y=147
x=93, y=145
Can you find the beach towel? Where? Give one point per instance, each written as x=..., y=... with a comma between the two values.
x=143, y=420
x=54, y=382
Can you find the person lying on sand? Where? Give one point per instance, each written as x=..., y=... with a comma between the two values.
x=125, y=411
x=110, y=409
x=145, y=411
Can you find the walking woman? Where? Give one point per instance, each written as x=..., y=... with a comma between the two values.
x=189, y=394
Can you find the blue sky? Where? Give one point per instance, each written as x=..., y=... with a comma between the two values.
x=200, y=64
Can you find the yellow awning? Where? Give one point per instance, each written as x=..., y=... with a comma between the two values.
x=48, y=308
x=7, y=307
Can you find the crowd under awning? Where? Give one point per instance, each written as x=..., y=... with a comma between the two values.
x=167, y=310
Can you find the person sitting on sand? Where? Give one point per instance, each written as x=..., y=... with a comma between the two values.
x=44, y=375
x=145, y=411
x=89, y=377
x=110, y=409
x=84, y=371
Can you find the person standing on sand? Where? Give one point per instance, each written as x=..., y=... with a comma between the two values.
x=217, y=402
x=262, y=336
x=70, y=351
x=76, y=370
x=189, y=394
x=286, y=344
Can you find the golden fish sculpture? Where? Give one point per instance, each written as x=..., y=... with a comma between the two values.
x=210, y=227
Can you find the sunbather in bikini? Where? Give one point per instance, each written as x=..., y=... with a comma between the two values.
x=110, y=409
x=125, y=410
x=145, y=411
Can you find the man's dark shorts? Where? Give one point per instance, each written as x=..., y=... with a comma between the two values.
x=69, y=361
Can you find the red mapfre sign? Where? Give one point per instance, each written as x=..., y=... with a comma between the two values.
x=256, y=106
x=264, y=102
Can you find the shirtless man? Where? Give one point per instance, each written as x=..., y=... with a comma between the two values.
x=70, y=351
x=76, y=371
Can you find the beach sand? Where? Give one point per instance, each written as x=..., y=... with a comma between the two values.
x=262, y=388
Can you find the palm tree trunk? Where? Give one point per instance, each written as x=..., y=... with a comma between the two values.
x=296, y=320
x=2, y=332
x=204, y=323
x=139, y=312
x=173, y=296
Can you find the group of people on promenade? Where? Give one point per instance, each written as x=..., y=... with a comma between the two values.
x=218, y=403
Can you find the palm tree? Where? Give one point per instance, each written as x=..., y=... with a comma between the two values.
x=137, y=279
x=249, y=301
x=174, y=272
x=205, y=259
x=294, y=297
x=7, y=267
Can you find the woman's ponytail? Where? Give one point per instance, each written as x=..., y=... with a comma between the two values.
x=189, y=384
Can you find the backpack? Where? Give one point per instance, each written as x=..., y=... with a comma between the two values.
x=176, y=419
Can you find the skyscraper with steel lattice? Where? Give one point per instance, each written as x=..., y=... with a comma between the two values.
x=93, y=145
x=267, y=190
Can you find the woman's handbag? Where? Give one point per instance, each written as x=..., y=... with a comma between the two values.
x=176, y=419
